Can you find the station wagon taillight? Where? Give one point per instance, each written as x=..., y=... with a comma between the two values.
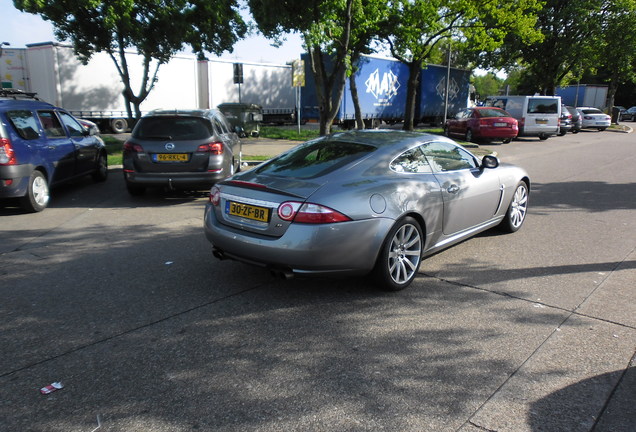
x=7, y=155
x=215, y=148
x=130, y=147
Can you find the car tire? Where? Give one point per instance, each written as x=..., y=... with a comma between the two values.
x=37, y=196
x=101, y=170
x=601, y=129
x=575, y=131
x=400, y=256
x=468, y=137
x=135, y=190
x=517, y=210
x=507, y=140
x=544, y=137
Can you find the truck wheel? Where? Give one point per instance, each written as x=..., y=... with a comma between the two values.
x=119, y=125
x=37, y=196
x=543, y=137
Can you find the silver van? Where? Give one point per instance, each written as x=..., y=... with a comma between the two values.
x=537, y=115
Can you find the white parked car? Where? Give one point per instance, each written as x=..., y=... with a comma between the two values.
x=594, y=118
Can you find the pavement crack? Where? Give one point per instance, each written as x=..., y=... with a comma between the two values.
x=573, y=312
x=131, y=330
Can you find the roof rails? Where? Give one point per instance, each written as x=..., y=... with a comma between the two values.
x=17, y=94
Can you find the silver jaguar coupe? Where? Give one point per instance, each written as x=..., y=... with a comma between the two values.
x=362, y=202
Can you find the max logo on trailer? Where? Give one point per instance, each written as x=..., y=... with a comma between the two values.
x=385, y=87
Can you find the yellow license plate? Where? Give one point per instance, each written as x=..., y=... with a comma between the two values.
x=172, y=157
x=542, y=121
x=247, y=211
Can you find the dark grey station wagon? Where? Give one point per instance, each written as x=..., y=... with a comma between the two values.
x=180, y=149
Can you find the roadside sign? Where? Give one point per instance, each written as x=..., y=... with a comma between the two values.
x=298, y=73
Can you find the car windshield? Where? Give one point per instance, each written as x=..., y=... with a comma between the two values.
x=492, y=112
x=315, y=158
x=173, y=128
x=592, y=111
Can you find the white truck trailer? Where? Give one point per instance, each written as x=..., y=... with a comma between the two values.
x=94, y=91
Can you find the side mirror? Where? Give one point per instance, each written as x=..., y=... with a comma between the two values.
x=489, y=161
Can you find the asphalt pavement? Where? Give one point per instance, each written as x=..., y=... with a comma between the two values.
x=119, y=298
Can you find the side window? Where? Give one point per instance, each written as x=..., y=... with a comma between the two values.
x=448, y=157
x=50, y=124
x=411, y=161
x=74, y=128
x=220, y=126
x=227, y=128
x=24, y=123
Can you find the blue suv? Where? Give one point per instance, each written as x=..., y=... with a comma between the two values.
x=41, y=146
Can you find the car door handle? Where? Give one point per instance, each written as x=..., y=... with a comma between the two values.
x=453, y=189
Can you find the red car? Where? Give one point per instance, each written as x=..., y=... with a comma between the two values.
x=485, y=123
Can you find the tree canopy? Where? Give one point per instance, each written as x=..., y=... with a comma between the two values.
x=156, y=29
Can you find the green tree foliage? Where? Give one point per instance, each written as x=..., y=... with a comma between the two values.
x=156, y=29
x=571, y=31
x=487, y=85
x=619, y=39
x=417, y=26
x=335, y=34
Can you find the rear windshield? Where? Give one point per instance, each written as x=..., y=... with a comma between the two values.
x=173, y=128
x=315, y=158
x=543, y=106
x=492, y=112
x=592, y=111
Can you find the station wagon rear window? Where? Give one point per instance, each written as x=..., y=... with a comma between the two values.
x=24, y=123
x=315, y=158
x=173, y=128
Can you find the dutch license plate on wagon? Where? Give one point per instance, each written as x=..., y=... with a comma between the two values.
x=171, y=157
x=247, y=211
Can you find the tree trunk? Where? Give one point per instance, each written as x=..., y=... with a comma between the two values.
x=415, y=68
x=356, y=102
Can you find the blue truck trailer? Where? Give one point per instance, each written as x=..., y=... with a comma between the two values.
x=584, y=95
x=382, y=88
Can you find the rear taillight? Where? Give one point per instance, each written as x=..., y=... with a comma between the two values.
x=215, y=195
x=215, y=148
x=309, y=213
x=130, y=147
x=7, y=155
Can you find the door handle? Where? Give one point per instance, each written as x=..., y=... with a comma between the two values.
x=453, y=189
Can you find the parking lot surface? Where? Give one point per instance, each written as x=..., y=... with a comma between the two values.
x=120, y=299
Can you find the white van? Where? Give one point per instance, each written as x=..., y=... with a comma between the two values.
x=537, y=115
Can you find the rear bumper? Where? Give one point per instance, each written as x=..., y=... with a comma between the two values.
x=176, y=180
x=497, y=133
x=14, y=180
x=347, y=248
